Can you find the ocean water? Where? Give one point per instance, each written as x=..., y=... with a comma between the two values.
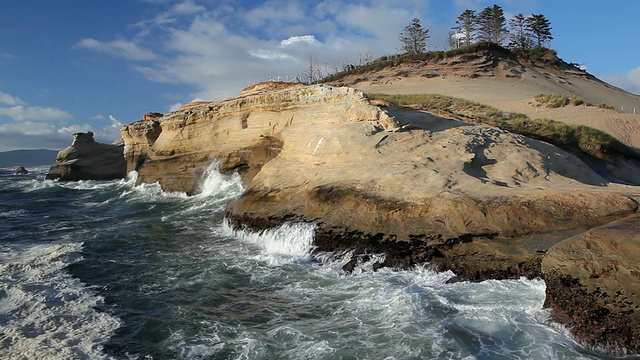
x=109, y=270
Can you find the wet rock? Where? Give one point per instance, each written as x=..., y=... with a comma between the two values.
x=593, y=285
x=21, y=171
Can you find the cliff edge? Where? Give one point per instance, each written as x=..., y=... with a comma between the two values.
x=478, y=200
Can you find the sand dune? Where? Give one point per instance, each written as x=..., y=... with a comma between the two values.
x=512, y=86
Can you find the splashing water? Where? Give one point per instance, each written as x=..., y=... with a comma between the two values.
x=114, y=270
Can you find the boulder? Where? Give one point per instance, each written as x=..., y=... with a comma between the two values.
x=593, y=285
x=21, y=171
x=86, y=159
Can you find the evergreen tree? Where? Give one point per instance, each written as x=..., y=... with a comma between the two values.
x=466, y=25
x=519, y=34
x=540, y=28
x=414, y=38
x=492, y=25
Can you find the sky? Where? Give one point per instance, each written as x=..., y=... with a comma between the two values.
x=93, y=65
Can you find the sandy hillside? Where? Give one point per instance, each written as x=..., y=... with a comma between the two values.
x=510, y=85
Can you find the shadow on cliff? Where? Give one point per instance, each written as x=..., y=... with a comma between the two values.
x=422, y=119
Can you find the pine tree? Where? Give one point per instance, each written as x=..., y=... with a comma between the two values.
x=492, y=25
x=519, y=34
x=540, y=28
x=414, y=38
x=466, y=25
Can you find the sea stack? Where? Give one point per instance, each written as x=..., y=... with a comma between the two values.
x=21, y=171
x=86, y=159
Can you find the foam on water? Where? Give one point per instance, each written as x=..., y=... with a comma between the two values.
x=289, y=240
x=44, y=312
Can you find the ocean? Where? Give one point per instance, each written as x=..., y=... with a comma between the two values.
x=110, y=270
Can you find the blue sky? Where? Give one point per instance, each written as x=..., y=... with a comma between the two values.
x=79, y=65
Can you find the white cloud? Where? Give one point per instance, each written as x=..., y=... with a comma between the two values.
x=187, y=7
x=10, y=100
x=98, y=117
x=218, y=51
x=175, y=107
x=28, y=128
x=72, y=129
x=119, y=48
x=115, y=123
x=21, y=113
x=629, y=81
x=293, y=40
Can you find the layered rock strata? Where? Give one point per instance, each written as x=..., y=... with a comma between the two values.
x=86, y=159
x=483, y=202
x=242, y=133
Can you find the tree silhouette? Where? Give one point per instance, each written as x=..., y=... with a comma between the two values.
x=414, y=38
x=519, y=34
x=540, y=28
x=466, y=26
x=491, y=25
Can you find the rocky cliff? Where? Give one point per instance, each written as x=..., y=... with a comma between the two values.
x=86, y=159
x=243, y=133
x=481, y=201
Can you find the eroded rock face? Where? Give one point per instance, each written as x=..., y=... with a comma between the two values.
x=483, y=202
x=86, y=159
x=593, y=285
x=243, y=133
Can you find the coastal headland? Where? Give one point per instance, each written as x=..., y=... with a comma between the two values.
x=458, y=181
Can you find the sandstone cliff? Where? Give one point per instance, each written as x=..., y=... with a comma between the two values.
x=479, y=200
x=243, y=133
x=86, y=159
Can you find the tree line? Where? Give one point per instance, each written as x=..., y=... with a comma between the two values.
x=490, y=25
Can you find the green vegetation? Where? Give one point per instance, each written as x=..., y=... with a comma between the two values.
x=558, y=100
x=606, y=106
x=571, y=137
x=435, y=56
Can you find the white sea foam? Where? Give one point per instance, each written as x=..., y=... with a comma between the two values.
x=45, y=313
x=216, y=184
x=214, y=190
x=291, y=240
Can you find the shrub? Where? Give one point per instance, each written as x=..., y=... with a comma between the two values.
x=552, y=100
x=577, y=101
x=606, y=106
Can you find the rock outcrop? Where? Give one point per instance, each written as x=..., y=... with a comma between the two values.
x=86, y=159
x=21, y=171
x=243, y=133
x=593, y=285
x=481, y=201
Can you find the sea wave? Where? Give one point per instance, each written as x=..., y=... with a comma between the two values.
x=46, y=313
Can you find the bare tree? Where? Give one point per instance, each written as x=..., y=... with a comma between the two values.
x=312, y=72
x=414, y=38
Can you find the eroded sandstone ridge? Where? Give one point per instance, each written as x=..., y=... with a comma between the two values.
x=243, y=133
x=86, y=159
x=481, y=201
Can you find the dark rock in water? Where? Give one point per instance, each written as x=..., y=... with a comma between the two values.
x=21, y=171
x=593, y=285
x=86, y=159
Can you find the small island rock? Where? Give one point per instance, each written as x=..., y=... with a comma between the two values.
x=86, y=159
x=21, y=171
